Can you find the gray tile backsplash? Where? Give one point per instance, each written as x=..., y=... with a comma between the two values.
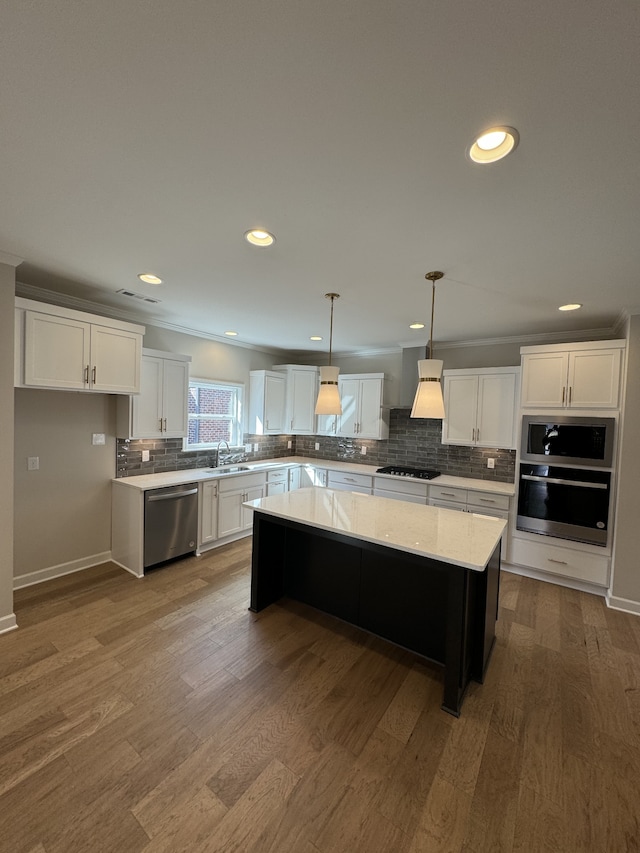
x=412, y=442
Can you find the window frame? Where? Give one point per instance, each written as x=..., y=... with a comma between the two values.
x=238, y=417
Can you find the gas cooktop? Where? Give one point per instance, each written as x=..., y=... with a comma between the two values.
x=401, y=471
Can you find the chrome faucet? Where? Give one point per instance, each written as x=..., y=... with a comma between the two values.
x=222, y=441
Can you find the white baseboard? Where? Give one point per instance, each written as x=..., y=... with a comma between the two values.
x=20, y=581
x=8, y=623
x=627, y=605
x=127, y=569
x=570, y=583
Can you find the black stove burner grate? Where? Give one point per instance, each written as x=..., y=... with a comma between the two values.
x=402, y=471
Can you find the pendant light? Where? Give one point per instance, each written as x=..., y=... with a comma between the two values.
x=428, y=402
x=328, y=402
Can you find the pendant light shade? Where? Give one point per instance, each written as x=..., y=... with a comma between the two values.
x=428, y=402
x=328, y=402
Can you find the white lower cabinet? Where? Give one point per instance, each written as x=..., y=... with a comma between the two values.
x=277, y=482
x=294, y=478
x=232, y=493
x=343, y=481
x=208, y=512
x=312, y=476
x=565, y=562
x=414, y=491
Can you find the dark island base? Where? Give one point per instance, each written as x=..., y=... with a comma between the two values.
x=443, y=612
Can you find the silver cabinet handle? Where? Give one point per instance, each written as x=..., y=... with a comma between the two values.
x=569, y=401
x=487, y=501
x=478, y=434
x=86, y=375
x=447, y=494
x=559, y=562
x=94, y=373
x=160, y=419
x=165, y=424
x=563, y=394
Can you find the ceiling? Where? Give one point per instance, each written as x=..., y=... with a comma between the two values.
x=149, y=136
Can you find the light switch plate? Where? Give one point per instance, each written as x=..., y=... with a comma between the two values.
x=145, y=455
x=98, y=438
x=491, y=463
x=33, y=463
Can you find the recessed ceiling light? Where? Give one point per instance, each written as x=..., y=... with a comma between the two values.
x=494, y=144
x=149, y=278
x=258, y=237
x=231, y=334
x=570, y=306
x=417, y=326
x=315, y=338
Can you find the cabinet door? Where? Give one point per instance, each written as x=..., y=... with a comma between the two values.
x=175, y=390
x=208, y=512
x=461, y=406
x=274, y=394
x=594, y=379
x=349, y=389
x=276, y=488
x=230, y=513
x=252, y=494
x=57, y=351
x=496, y=410
x=302, y=392
x=369, y=409
x=147, y=406
x=326, y=424
x=115, y=360
x=544, y=379
x=294, y=479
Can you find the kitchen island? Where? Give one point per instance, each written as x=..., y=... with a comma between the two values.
x=422, y=577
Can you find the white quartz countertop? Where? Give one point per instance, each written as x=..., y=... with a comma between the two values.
x=143, y=482
x=461, y=538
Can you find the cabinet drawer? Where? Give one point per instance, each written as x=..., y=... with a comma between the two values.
x=556, y=560
x=403, y=485
x=350, y=481
x=487, y=500
x=448, y=505
x=244, y=481
x=280, y=475
x=410, y=497
x=448, y=493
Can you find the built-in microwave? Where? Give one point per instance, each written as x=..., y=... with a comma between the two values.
x=566, y=440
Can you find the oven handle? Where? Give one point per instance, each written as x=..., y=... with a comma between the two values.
x=563, y=482
x=169, y=495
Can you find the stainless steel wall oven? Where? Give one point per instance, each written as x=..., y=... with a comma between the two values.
x=570, y=503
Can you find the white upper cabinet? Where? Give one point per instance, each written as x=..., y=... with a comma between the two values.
x=574, y=376
x=160, y=410
x=266, y=403
x=300, y=398
x=481, y=407
x=363, y=412
x=61, y=348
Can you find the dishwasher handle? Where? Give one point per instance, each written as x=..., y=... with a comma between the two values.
x=170, y=495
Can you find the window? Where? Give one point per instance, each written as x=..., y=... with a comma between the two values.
x=215, y=414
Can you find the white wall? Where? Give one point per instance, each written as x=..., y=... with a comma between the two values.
x=7, y=296
x=62, y=510
x=625, y=591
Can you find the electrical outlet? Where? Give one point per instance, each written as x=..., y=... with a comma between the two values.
x=33, y=463
x=491, y=463
x=145, y=455
x=97, y=438
x=255, y=447
x=289, y=445
x=363, y=450
x=247, y=448
x=317, y=445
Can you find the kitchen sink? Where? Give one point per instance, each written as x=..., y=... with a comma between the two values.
x=230, y=469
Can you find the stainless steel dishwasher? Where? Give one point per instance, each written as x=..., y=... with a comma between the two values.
x=170, y=522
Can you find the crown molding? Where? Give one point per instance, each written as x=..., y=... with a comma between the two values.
x=41, y=294
x=10, y=260
x=527, y=340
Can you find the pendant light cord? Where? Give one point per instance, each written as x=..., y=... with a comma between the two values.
x=432, y=277
x=331, y=330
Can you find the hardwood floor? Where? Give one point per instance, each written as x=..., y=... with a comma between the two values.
x=161, y=715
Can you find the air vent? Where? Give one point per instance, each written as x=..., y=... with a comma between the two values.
x=139, y=296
